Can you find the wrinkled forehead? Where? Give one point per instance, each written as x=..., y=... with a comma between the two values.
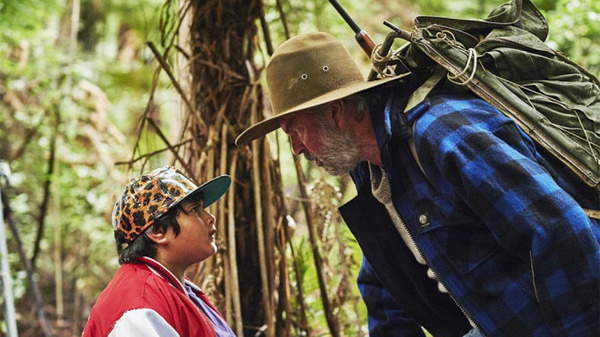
x=299, y=118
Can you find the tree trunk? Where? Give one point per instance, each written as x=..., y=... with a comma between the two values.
x=226, y=95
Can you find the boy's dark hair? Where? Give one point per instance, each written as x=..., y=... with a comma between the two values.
x=143, y=245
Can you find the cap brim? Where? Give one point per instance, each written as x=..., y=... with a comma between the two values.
x=265, y=126
x=212, y=190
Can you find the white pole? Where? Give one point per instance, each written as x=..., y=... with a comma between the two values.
x=9, y=304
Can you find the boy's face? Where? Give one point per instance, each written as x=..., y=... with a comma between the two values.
x=196, y=240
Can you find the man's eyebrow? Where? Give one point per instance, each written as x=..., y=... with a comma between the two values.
x=286, y=126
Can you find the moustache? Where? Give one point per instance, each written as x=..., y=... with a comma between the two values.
x=309, y=156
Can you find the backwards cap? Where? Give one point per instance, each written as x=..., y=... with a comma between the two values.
x=149, y=196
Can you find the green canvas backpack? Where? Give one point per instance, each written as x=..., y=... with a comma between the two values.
x=504, y=60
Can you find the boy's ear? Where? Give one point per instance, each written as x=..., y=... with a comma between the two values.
x=158, y=236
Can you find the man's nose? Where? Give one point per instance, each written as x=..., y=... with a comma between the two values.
x=297, y=145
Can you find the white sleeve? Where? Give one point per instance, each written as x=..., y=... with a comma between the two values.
x=142, y=322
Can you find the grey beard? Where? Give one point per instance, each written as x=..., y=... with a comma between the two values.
x=340, y=152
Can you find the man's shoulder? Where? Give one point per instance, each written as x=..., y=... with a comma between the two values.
x=449, y=115
x=440, y=104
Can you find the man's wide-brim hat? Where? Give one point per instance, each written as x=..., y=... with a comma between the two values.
x=306, y=71
x=151, y=195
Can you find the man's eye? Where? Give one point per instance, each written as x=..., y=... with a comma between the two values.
x=288, y=129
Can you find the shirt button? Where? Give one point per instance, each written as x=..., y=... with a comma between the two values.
x=423, y=220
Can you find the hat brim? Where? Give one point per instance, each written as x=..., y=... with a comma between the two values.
x=265, y=126
x=212, y=190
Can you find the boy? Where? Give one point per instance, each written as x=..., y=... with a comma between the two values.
x=161, y=228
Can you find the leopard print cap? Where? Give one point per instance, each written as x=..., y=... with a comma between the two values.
x=149, y=196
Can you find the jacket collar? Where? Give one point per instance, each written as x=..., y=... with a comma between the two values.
x=162, y=272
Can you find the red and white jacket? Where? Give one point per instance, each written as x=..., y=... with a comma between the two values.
x=145, y=299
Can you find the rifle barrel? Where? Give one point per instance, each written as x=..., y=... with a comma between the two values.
x=362, y=37
x=345, y=16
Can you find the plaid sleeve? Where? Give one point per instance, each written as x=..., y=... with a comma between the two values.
x=385, y=317
x=492, y=166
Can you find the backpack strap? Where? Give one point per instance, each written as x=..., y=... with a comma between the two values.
x=419, y=96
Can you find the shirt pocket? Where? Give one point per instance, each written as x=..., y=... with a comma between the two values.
x=456, y=235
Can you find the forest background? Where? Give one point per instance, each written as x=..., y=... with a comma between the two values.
x=94, y=92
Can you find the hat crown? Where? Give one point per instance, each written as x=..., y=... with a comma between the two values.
x=306, y=67
x=147, y=197
x=306, y=71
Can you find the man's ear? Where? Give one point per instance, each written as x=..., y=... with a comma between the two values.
x=337, y=112
x=158, y=236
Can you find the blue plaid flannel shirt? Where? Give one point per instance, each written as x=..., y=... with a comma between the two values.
x=496, y=221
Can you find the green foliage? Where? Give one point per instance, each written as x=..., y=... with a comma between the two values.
x=86, y=106
x=349, y=310
x=69, y=110
x=575, y=31
x=25, y=18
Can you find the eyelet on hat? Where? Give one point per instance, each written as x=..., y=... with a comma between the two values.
x=304, y=76
x=310, y=54
x=151, y=195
